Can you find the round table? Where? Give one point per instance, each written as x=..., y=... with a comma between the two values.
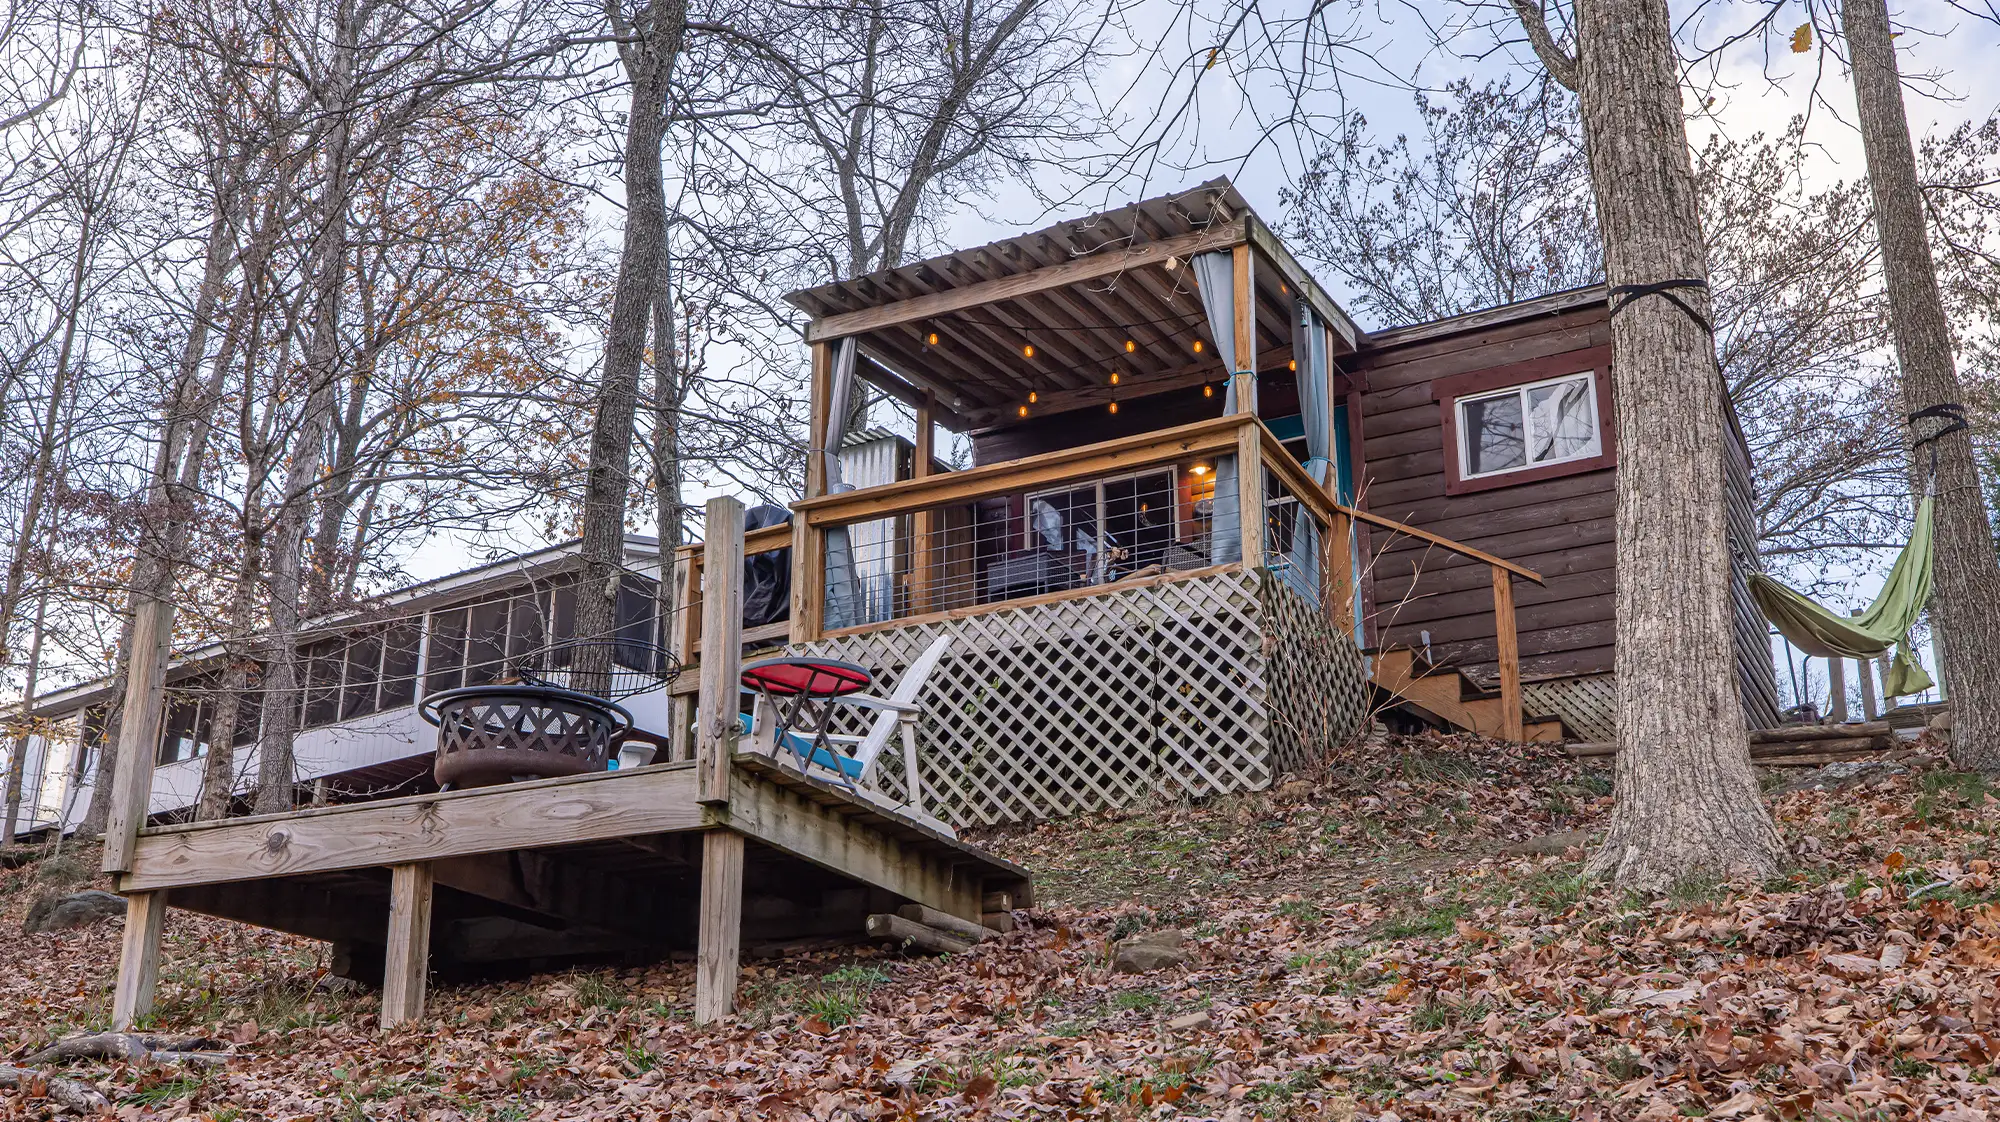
x=799, y=691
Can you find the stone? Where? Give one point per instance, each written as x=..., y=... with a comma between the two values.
x=1941, y=722
x=1153, y=950
x=1291, y=790
x=1550, y=845
x=78, y=909
x=1192, y=1022
x=1840, y=775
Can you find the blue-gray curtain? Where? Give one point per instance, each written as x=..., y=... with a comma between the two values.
x=1215, y=275
x=844, y=603
x=1315, y=388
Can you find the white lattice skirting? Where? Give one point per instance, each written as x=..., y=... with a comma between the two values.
x=1589, y=706
x=1199, y=687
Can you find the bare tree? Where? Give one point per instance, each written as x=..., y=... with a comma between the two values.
x=1966, y=575
x=1687, y=800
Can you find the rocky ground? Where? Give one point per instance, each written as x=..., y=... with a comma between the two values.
x=1405, y=935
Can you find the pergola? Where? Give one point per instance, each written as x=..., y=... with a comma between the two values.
x=1053, y=313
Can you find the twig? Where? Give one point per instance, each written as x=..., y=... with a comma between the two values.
x=132, y=1047
x=71, y=1094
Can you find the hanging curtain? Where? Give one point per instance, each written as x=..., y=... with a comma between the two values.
x=1315, y=384
x=844, y=605
x=1215, y=275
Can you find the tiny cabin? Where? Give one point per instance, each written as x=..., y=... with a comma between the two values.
x=1209, y=526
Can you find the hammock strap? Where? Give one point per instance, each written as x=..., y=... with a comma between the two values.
x=1953, y=416
x=1623, y=294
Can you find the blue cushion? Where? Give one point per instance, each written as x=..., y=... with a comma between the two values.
x=799, y=746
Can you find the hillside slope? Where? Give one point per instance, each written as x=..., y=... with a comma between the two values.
x=1376, y=941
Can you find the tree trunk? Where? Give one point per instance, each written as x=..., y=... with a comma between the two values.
x=1687, y=799
x=658, y=31
x=667, y=393
x=10, y=812
x=279, y=723
x=1965, y=607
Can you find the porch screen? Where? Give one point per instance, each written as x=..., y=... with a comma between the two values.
x=1315, y=380
x=1215, y=274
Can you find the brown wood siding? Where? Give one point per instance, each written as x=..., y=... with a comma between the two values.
x=1759, y=675
x=1560, y=527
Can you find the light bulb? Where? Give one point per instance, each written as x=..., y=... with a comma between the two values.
x=1114, y=377
x=1208, y=391
x=1028, y=351
x=1197, y=346
x=933, y=338
x=1114, y=407
x=1024, y=411
x=1293, y=366
x=1033, y=397
x=1130, y=346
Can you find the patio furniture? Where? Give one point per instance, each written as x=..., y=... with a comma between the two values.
x=799, y=722
x=500, y=733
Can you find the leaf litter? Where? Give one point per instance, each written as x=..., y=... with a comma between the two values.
x=1380, y=939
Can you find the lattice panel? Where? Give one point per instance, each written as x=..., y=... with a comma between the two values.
x=1319, y=687
x=1589, y=706
x=1056, y=709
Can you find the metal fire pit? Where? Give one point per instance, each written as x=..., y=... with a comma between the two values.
x=496, y=734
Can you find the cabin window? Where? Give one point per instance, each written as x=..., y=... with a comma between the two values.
x=1542, y=423
x=185, y=733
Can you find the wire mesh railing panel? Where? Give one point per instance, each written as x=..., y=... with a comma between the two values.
x=1054, y=537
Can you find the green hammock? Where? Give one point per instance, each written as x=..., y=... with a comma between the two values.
x=1824, y=634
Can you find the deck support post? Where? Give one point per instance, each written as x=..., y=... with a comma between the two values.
x=1250, y=493
x=1508, y=643
x=1836, y=690
x=720, y=932
x=406, y=966
x=138, y=959
x=721, y=649
x=1337, y=569
x=138, y=730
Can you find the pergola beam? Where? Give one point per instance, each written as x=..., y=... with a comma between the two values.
x=1025, y=284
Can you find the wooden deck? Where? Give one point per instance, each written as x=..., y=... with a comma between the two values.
x=608, y=866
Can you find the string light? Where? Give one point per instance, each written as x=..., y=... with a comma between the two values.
x=1208, y=391
x=1033, y=397
x=1023, y=411
x=1028, y=351
x=1130, y=346
x=1293, y=366
x=1197, y=346
x=1114, y=407
x=1114, y=377
x=933, y=339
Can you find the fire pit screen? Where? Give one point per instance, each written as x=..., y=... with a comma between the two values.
x=499, y=733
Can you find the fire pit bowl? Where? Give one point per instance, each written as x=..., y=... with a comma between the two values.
x=500, y=733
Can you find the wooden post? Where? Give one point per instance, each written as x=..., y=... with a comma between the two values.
x=1869, y=710
x=407, y=965
x=1508, y=643
x=1836, y=683
x=1338, y=570
x=820, y=419
x=138, y=959
x=920, y=521
x=1250, y=493
x=1245, y=373
x=138, y=731
x=681, y=708
x=720, y=929
x=1882, y=667
x=808, y=580
x=721, y=648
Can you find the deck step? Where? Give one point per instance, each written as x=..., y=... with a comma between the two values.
x=1445, y=695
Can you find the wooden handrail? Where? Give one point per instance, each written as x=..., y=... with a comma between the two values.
x=1217, y=435
x=1444, y=542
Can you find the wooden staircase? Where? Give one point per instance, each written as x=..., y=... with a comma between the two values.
x=1442, y=695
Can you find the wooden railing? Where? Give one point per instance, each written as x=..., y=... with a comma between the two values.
x=923, y=499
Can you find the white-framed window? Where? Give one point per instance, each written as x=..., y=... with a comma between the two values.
x=1551, y=421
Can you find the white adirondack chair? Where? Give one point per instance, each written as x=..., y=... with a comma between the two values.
x=853, y=765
